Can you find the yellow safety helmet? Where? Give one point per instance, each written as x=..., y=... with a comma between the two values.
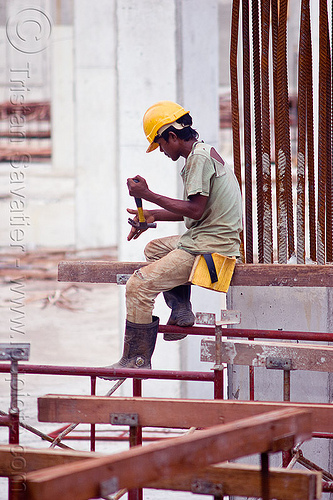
x=159, y=114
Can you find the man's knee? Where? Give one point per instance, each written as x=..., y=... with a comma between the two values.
x=134, y=283
x=150, y=251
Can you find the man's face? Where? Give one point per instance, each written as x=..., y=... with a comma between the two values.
x=171, y=147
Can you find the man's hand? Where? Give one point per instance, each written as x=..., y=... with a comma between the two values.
x=135, y=232
x=137, y=186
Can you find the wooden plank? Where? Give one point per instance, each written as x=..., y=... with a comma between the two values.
x=255, y=353
x=138, y=466
x=282, y=275
x=245, y=480
x=152, y=412
x=244, y=274
x=180, y=413
x=17, y=459
x=237, y=479
x=95, y=272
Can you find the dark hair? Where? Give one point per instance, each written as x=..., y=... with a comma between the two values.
x=186, y=134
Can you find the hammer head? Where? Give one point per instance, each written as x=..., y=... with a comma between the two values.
x=142, y=225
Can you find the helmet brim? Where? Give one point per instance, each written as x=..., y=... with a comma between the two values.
x=152, y=147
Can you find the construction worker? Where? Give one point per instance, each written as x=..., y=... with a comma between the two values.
x=212, y=211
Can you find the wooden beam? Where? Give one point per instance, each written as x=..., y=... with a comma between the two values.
x=17, y=459
x=237, y=479
x=138, y=466
x=179, y=413
x=244, y=274
x=245, y=480
x=95, y=272
x=256, y=353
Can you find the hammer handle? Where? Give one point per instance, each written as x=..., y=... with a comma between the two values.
x=138, y=202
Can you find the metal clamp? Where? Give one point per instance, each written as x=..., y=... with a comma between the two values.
x=203, y=318
x=279, y=363
x=14, y=352
x=131, y=419
x=206, y=487
x=122, y=279
x=228, y=317
x=109, y=486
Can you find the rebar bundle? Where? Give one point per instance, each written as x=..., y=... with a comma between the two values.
x=310, y=173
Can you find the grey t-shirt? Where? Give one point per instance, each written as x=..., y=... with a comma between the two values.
x=220, y=226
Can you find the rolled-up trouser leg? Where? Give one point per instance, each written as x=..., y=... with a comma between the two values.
x=171, y=270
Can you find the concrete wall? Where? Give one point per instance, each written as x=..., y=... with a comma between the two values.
x=285, y=308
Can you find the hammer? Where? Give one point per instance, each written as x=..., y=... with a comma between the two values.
x=142, y=224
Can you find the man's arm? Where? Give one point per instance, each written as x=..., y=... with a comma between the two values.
x=193, y=208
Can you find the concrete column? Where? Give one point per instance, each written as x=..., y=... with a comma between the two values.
x=62, y=109
x=166, y=50
x=96, y=124
x=198, y=72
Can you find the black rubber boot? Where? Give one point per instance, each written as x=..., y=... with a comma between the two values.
x=178, y=299
x=139, y=345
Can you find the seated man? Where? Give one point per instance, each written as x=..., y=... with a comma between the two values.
x=212, y=211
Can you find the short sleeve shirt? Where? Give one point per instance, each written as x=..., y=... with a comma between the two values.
x=220, y=226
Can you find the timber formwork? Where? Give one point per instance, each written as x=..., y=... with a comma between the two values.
x=92, y=412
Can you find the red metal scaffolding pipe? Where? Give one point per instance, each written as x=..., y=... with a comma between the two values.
x=81, y=371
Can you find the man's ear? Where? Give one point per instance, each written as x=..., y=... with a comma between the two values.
x=173, y=136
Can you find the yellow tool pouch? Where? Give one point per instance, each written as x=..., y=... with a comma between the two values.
x=213, y=271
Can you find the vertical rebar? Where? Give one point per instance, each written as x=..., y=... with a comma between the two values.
x=285, y=124
x=234, y=91
x=285, y=219
x=266, y=141
x=322, y=132
x=247, y=133
x=235, y=101
x=329, y=173
x=257, y=127
x=310, y=141
x=301, y=142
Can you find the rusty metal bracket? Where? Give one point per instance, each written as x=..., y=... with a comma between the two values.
x=16, y=352
x=131, y=419
x=203, y=318
x=279, y=363
x=122, y=279
x=228, y=317
x=109, y=486
x=206, y=487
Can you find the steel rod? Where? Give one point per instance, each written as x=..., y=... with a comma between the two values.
x=266, y=140
x=258, y=128
x=247, y=133
x=310, y=139
x=301, y=142
x=322, y=131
